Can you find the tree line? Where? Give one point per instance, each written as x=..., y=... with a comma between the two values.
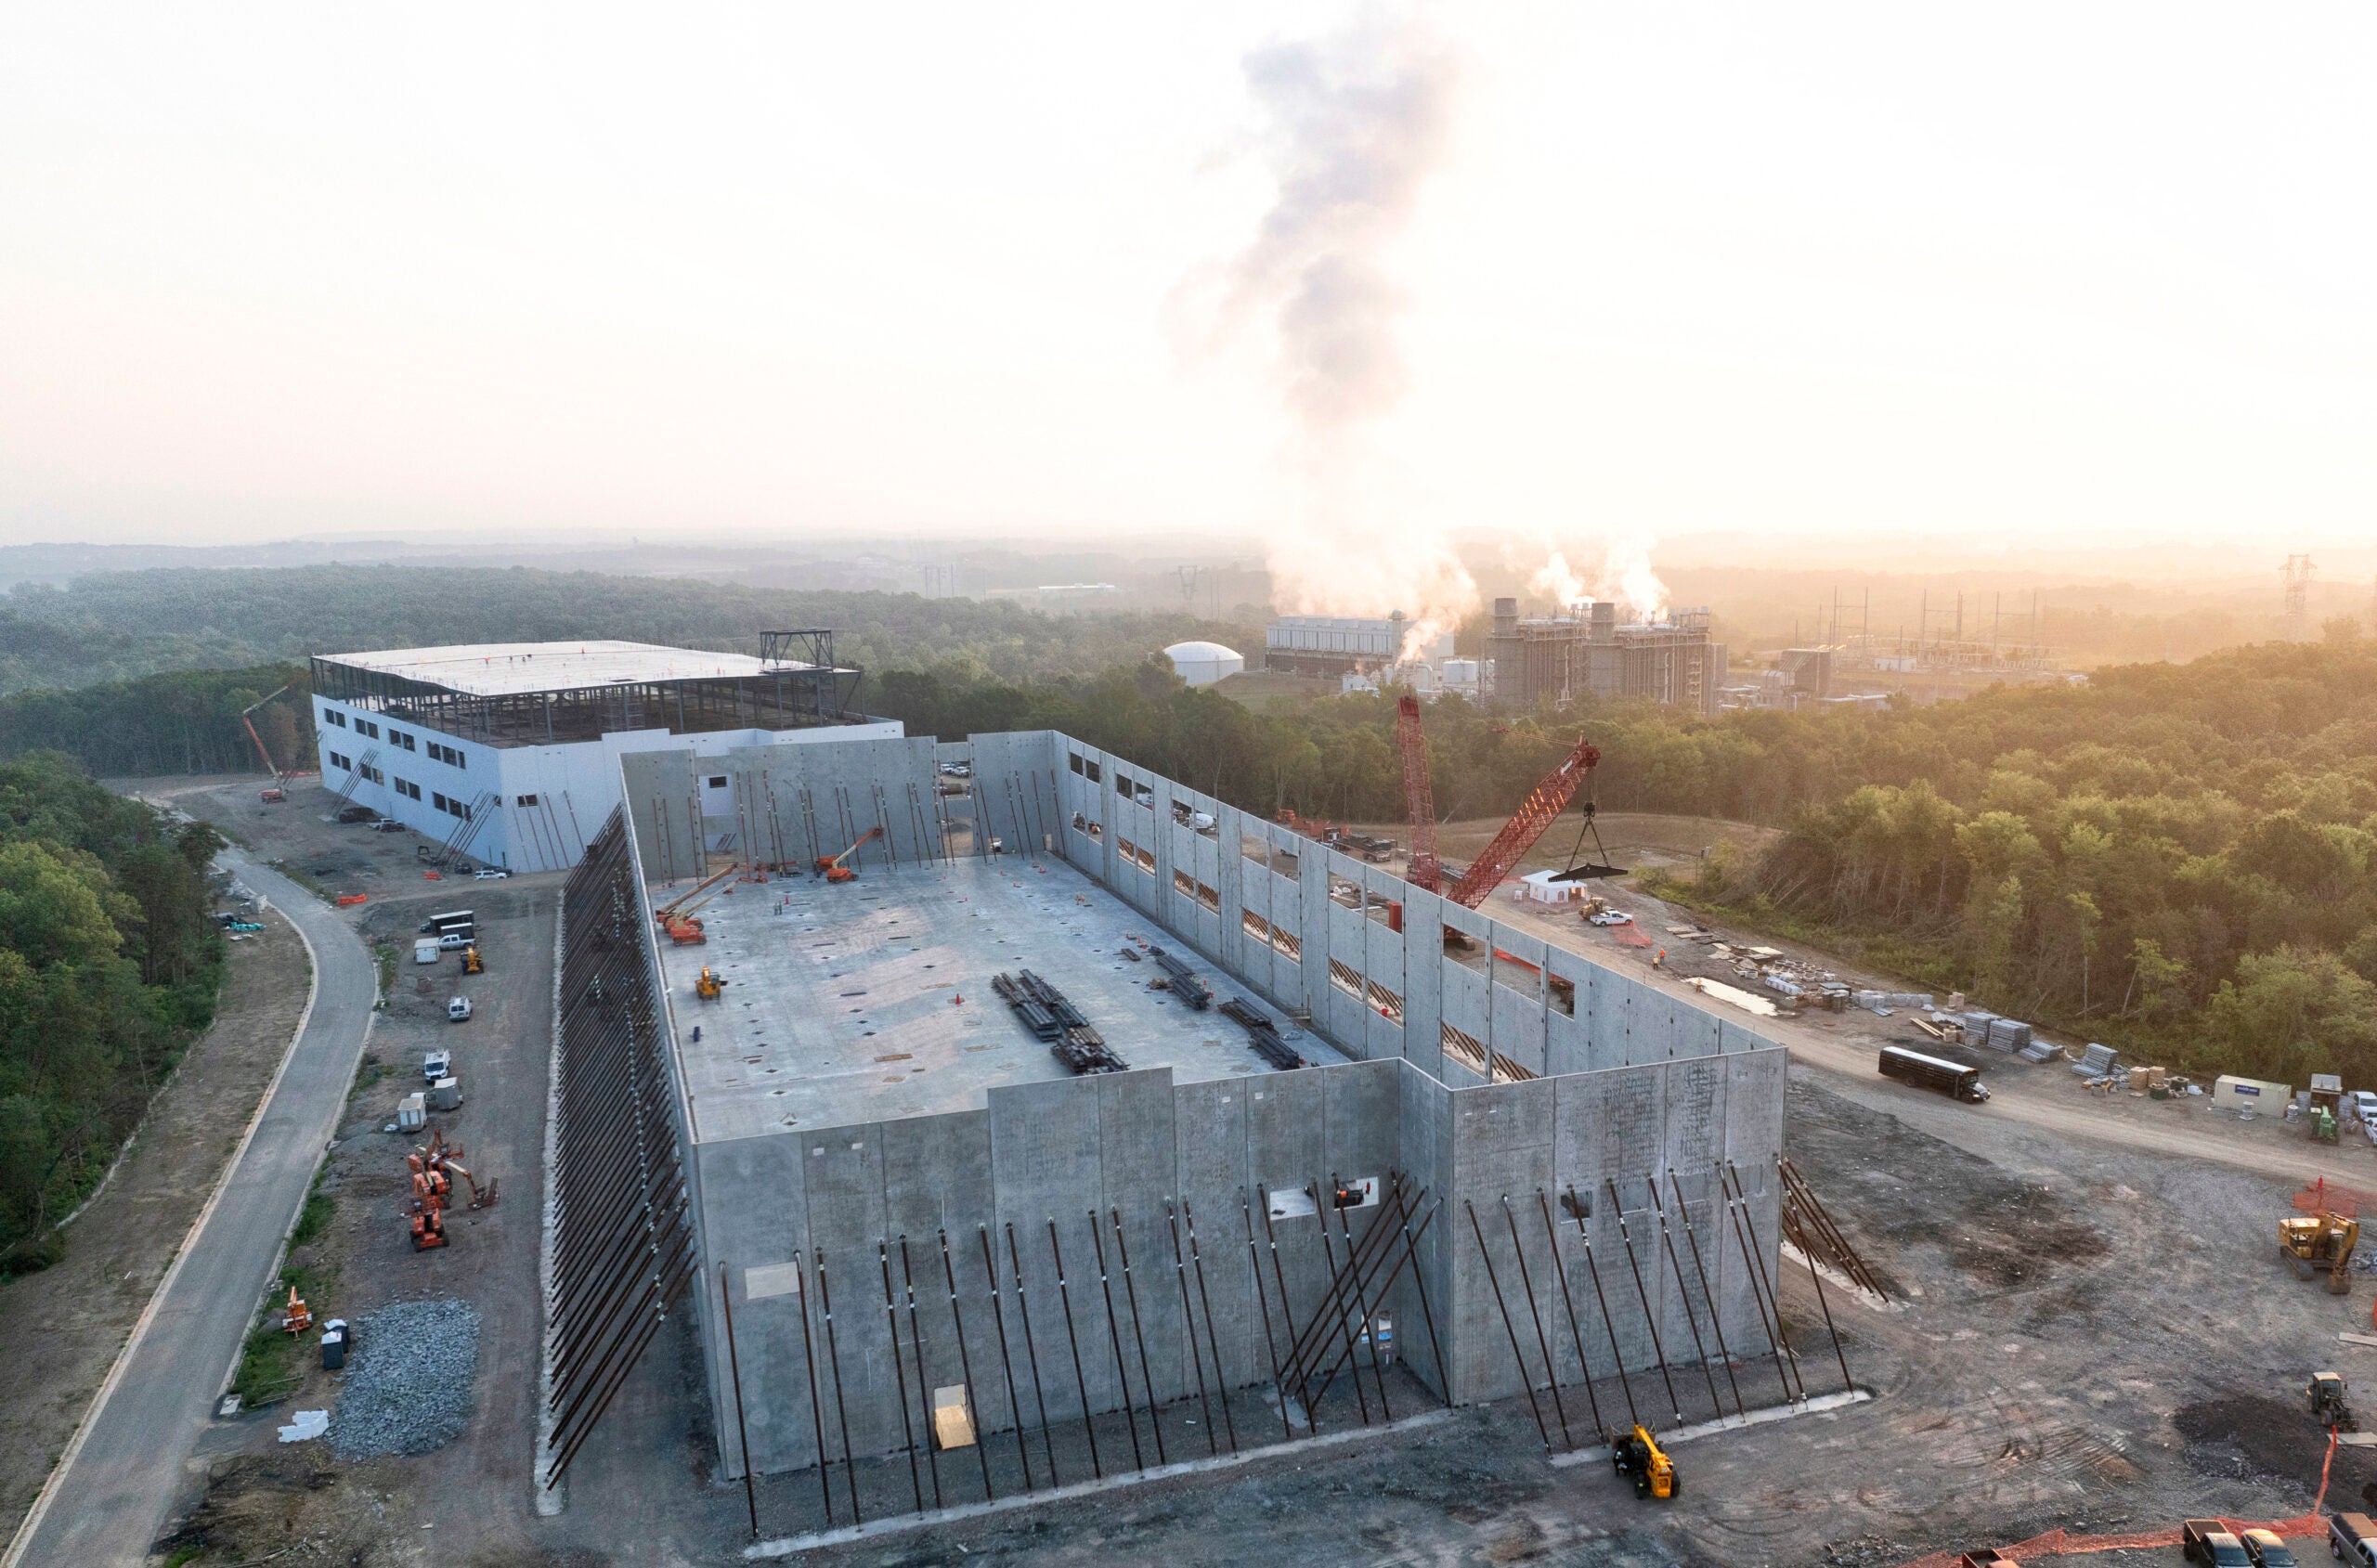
x=110, y=964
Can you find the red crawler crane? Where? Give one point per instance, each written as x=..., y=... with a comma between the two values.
x=1544, y=803
x=1426, y=870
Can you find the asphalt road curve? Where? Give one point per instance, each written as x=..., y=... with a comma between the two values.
x=111, y=1496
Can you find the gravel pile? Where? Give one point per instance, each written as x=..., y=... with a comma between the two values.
x=408, y=1386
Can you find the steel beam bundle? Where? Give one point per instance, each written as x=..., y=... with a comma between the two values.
x=1264, y=1036
x=1185, y=983
x=623, y=1232
x=1051, y=1017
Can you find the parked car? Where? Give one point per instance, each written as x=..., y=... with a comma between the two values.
x=356, y=813
x=2361, y=1105
x=387, y=824
x=2353, y=1538
x=2267, y=1550
x=2208, y=1541
x=454, y=941
x=436, y=1065
x=490, y=873
x=1611, y=917
x=458, y=1008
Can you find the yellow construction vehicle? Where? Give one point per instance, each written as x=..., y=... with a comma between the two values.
x=707, y=985
x=1638, y=1454
x=471, y=963
x=2321, y=1238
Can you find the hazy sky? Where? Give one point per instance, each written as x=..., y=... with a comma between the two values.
x=2066, y=270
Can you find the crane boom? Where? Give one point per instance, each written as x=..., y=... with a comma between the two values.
x=1546, y=802
x=1426, y=870
x=269, y=766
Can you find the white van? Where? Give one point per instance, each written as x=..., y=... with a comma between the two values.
x=426, y=951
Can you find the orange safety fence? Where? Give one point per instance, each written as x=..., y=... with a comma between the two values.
x=352, y=898
x=2321, y=1198
x=2063, y=1543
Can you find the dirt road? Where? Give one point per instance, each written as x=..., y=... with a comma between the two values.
x=2045, y=1095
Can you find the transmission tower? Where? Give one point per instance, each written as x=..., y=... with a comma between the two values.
x=1189, y=576
x=2296, y=574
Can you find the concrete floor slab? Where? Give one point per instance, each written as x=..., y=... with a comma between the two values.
x=870, y=1001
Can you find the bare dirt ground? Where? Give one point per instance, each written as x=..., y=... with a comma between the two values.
x=2092, y=1332
x=63, y=1326
x=1637, y=841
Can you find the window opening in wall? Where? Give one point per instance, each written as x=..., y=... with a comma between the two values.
x=1344, y=893
x=437, y=799
x=1464, y=1048
x=1514, y=973
x=335, y=716
x=1509, y=1072
x=1564, y=995
x=1184, y=884
x=1090, y=772
x=525, y=801
x=1075, y=756
x=1387, y=1002
x=1253, y=849
x=1254, y=925
x=718, y=782
x=1346, y=978
x=1283, y=941
x=1209, y=899
x=1285, y=863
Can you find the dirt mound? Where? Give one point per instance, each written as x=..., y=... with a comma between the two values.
x=2252, y=1436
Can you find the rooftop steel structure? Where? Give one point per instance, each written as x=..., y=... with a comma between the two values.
x=543, y=693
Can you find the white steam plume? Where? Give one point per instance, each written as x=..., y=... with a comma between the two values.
x=1623, y=575
x=1352, y=127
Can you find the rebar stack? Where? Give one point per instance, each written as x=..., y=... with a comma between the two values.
x=1185, y=983
x=1264, y=1036
x=1050, y=1016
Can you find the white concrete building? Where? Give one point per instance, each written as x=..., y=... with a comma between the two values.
x=509, y=752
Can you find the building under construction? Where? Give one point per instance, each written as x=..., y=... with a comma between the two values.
x=1602, y=652
x=1079, y=1123
x=508, y=753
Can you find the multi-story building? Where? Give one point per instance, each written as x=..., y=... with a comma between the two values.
x=1602, y=652
x=509, y=752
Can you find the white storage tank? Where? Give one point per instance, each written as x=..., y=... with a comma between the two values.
x=1201, y=663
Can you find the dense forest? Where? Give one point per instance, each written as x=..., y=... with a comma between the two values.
x=2182, y=861
x=109, y=964
x=117, y=626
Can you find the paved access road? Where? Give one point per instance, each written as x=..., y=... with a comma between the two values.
x=116, y=1490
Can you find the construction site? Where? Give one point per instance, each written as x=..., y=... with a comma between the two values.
x=885, y=1149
